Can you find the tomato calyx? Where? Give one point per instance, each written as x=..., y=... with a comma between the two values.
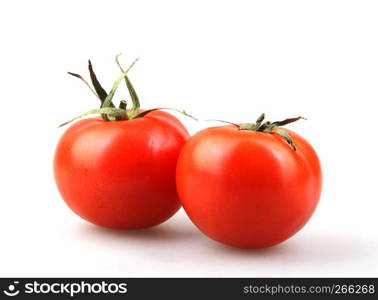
x=267, y=126
x=108, y=111
x=270, y=127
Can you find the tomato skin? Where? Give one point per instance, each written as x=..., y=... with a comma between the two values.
x=121, y=174
x=248, y=189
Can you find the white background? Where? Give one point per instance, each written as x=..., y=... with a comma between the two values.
x=229, y=60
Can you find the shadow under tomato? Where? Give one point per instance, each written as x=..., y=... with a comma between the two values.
x=271, y=251
x=163, y=232
x=307, y=248
x=320, y=247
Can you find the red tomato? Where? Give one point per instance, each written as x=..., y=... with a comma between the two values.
x=121, y=174
x=248, y=189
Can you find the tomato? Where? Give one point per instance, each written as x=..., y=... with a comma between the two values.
x=118, y=171
x=247, y=188
x=121, y=174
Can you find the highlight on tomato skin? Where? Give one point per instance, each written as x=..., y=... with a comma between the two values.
x=255, y=188
x=118, y=170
